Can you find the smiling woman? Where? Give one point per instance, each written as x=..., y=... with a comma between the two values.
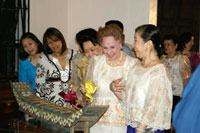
x=148, y=94
x=112, y=66
x=30, y=50
x=54, y=68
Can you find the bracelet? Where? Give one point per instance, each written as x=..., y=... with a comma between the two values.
x=140, y=130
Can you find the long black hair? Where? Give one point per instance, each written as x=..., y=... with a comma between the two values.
x=22, y=54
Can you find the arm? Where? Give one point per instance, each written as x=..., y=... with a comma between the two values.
x=185, y=69
x=76, y=58
x=158, y=101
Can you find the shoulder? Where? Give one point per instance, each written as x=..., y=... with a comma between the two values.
x=99, y=57
x=183, y=57
x=95, y=59
x=43, y=56
x=195, y=55
x=158, y=70
x=132, y=60
x=163, y=57
x=24, y=63
x=70, y=52
x=78, y=56
x=43, y=59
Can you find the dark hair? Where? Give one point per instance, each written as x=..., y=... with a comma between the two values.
x=85, y=35
x=117, y=22
x=53, y=34
x=172, y=37
x=151, y=32
x=22, y=54
x=183, y=39
x=110, y=30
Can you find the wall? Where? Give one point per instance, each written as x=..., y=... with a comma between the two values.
x=71, y=16
x=48, y=13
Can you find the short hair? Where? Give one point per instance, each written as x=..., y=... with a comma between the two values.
x=54, y=34
x=183, y=39
x=151, y=32
x=117, y=22
x=85, y=35
x=22, y=54
x=172, y=37
x=110, y=30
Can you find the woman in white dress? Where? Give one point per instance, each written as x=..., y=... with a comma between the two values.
x=54, y=68
x=148, y=94
x=102, y=70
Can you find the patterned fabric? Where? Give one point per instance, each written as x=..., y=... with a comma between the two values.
x=46, y=87
x=42, y=110
x=27, y=73
x=148, y=97
x=102, y=75
x=179, y=68
x=75, y=72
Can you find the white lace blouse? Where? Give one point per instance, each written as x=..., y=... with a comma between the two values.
x=148, y=97
x=102, y=75
x=179, y=68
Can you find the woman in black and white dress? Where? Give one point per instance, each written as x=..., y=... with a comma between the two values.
x=53, y=69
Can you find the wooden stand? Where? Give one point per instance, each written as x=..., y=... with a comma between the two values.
x=89, y=118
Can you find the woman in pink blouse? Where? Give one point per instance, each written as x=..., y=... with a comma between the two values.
x=148, y=93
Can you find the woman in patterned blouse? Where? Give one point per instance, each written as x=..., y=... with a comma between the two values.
x=53, y=69
x=148, y=93
x=178, y=66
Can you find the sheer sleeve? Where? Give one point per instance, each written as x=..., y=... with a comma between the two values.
x=41, y=72
x=158, y=102
x=75, y=61
x=185, y=69
x=90, y=69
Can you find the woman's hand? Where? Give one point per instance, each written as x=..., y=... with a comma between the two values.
x=82, y=89
x=116, y=85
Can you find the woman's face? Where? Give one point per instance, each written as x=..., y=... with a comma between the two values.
x=55, y=45
x=139, y=46
x=111, y=47
x=30, y=46
x=89, y=49
x=189, y=45
x=170, y=47
x=98, y=50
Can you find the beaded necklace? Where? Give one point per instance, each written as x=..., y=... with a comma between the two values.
x=116, y=63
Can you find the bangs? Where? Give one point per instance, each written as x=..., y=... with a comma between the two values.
x=53, y=37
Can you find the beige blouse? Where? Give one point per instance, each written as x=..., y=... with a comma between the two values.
x=148, y=97
x=179, y=68
x=102, y=75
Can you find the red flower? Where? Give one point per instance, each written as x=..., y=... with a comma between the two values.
x=71, y=97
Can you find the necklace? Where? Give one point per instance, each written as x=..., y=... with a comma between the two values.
x=117, y=62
